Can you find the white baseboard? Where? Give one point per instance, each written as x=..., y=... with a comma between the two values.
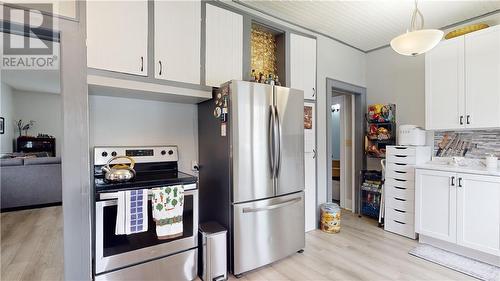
x=457, y=249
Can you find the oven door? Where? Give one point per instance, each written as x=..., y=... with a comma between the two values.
x=118, y=251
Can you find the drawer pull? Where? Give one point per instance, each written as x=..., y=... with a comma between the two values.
x=400, y=164
x=399, y=222
x=398, y=147
x=399, y=187
x=400, y=172
x=400, y=180
x=400, y=211
x=401, y=156
x=400, y=199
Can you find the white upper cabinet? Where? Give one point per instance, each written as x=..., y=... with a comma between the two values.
x=444, y=91
x=224, y=46
x=482, y=78
x=303, y=65
x=478, y=213
x=462, y=82
x=117, y=36
x=177, y=37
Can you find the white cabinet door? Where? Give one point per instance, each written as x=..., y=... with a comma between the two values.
x=117, y=36
x=478, y=212
x=224, y=46
x=444, y=87
x=303, y=65
x=310, y=165
x=482, y=78
x=435, y=204
x=177, y=40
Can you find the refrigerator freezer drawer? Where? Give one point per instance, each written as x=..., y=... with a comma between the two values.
x=267, y=230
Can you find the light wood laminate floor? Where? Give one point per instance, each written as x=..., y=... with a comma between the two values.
x=32, y=244
x=31, y=249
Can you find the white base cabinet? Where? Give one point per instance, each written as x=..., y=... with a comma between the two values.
x=478, y=213
x=459, y=208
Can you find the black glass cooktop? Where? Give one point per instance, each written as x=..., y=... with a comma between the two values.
x=144, y=179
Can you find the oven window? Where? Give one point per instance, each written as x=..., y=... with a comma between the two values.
x=118, y=244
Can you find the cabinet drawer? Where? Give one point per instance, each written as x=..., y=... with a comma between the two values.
x=400, y=228
x=402, y=183
x=403, y=204
x=400, y=215
x=401, y=167
x=400, y=192
x=401, y=150
x=401, y=159
x=401, y=175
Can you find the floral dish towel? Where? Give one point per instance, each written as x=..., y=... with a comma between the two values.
x=168, y=203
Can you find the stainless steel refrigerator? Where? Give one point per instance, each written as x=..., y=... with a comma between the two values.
x=251, y=180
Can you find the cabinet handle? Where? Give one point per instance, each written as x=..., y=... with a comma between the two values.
x=468, y=119
x=459, y=182
x=142, y=64
x=161, y=67
x=314, y=153
x=461, y=119
x=452, y=181
x=314, y=92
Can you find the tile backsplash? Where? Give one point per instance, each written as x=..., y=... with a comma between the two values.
x=474, y=144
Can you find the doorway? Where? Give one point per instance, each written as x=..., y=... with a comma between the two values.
x=342, y=114
x=345, y=128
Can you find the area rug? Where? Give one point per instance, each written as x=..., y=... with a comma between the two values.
x=474, y=268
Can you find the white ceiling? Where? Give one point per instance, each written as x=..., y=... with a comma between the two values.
x=368, y=25
x=45, y=81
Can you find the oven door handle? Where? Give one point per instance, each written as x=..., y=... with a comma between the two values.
x=114, y=195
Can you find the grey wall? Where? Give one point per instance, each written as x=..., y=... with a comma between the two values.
x=144, y=122
x=44, y=108
x=393, y=78
x=75, y=149
x=6, y=140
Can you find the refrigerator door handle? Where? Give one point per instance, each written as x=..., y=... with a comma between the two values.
x=271, y=207
x=278, y=142
x=271, y=140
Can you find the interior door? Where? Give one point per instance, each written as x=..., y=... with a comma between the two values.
x=435, y=204
x=478, y=213
x=482, y=78
x=310, y=164
x=117, y=36
x=177, y=40
x=290, y=159
x=444, y=86
x=250, y=110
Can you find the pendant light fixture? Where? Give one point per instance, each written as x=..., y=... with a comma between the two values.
x=417, y=40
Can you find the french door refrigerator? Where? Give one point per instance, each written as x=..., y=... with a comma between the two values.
x=251, y=177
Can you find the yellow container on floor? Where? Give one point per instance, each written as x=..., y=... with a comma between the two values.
x=330, y=217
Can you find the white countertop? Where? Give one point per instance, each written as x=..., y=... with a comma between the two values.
x=471, y=169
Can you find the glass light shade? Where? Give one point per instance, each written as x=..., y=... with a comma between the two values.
x=416, y=42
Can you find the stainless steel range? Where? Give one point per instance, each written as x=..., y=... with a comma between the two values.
x=143, y=256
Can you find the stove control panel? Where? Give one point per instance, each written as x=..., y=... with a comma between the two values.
x=141, y=154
